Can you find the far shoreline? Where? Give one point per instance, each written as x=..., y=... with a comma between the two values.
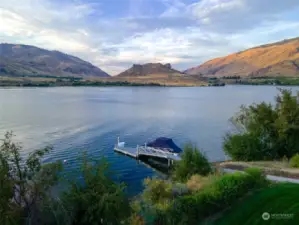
x=197, y=81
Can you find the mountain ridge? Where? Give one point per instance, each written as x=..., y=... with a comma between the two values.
x=20, y=60
x=273, y=59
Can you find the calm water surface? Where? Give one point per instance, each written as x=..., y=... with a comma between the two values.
x=90, y=119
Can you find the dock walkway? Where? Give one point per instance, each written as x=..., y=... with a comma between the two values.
x=147, y=151
x=126, y=151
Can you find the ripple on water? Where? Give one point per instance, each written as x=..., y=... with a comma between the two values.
x=74, y=120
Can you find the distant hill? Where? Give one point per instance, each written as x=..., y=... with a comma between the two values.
x=16, y=60
x=275, y=59
x=157, y=73
x=148, y=69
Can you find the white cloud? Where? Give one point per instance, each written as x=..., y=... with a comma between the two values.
x=227, y=16
x=12, y=24
x=184, y=35
x=60, y=42
x=158, y=46
x=47, y=11
x=19, y=29
x=207, y=9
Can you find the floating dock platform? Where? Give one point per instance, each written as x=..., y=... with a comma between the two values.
x=146, y=151
x=132, y=152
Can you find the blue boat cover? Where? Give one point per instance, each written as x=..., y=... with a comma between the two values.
x=163, y=142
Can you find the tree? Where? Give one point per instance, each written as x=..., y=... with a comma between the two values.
x=25, y=186
x=25, y=183
x=98, y=199
x=269, y=132
x=193, y=162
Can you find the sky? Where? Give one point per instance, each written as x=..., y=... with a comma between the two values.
x=114, y=34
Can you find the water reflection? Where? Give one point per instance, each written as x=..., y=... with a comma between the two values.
x=90, y=119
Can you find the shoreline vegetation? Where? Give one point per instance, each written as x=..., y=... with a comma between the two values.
x=196, y=193
x=53, y=81
x=279, y=81
x=169, y=80
x=63, y=82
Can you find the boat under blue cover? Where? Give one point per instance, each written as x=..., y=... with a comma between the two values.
x=166, y=143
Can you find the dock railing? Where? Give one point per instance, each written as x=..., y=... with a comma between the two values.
x=156, y=150
x=146, y=151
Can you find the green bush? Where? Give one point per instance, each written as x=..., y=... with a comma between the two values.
x=156, y=190
x=197, y=182
x=179, y=189
x=156, y=199
x=217, y=196
x=294, y=162
x=268, y=132
x=193, y=162
x=257, y=176
x=228, y=187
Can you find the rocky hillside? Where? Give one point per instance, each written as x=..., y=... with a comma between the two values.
x=148, y=69
x=157, y=73
x=276, y=59
x=16, y=60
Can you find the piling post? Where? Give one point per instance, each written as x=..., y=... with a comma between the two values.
x=168, y=162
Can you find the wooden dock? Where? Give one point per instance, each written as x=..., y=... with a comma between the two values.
x=132, y=152
x=140, y=151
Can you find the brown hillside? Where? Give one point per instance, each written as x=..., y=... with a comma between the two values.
x=276, y=59
x=157, y=73
x=26, y=60
x=147, y=69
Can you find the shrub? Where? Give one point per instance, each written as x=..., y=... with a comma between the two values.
x=136, y=220
x=229, y=187
x=179, y=189
x=148, y=212
x=156, y=190
x=197, y=182
x=156, y=199
x=193, y=162
x=294, y=162
x=269, y=132
x=254, y=172
x=257, y=176
x=221, y=193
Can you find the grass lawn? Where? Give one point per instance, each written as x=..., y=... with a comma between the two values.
x=281, y=198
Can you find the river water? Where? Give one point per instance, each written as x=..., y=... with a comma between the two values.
x=77, y=119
